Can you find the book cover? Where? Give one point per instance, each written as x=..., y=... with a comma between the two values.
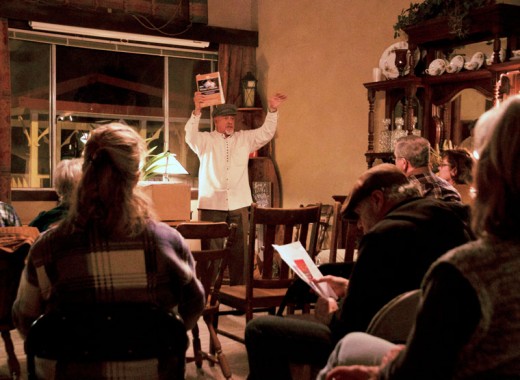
x=210, y=85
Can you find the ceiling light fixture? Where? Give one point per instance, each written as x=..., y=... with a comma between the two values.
x=122, y=37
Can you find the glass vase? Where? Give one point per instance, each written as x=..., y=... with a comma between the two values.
x=385, y=136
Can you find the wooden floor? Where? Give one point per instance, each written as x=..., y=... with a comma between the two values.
x=235, y=352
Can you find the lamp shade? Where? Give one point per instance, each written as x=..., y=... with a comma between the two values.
x=168, y=164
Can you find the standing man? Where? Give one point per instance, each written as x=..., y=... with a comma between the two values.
x=224, y=192
x=412, y=157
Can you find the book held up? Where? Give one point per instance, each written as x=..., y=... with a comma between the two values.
x=210, y=85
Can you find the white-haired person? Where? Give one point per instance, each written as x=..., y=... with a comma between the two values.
x=66, y=178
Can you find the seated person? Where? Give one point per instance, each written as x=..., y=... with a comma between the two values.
x=110, y=222
x=456, y=168
x=8, y=216
x=467, y=326
x=66, y=177
x=404, y=234
x=412, y=156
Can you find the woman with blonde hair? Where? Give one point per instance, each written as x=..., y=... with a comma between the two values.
x=66, y=178
x=110, y=249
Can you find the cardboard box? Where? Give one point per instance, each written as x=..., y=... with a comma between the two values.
x=171, y=201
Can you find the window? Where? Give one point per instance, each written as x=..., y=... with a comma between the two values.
x=63, y=87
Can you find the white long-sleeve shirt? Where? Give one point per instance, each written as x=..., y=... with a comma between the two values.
x=223, y=171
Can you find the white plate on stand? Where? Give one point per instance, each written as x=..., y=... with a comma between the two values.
x=387, y=60
x=456, y=64
x=478, y=57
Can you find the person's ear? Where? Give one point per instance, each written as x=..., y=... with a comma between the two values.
x=377, y=198
x=453, y=172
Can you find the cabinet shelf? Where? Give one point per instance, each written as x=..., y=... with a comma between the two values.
x=434, y=100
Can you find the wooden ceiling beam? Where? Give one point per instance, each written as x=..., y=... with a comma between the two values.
x=19, y=13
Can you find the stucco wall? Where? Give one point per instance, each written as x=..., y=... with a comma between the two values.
x=319, y=53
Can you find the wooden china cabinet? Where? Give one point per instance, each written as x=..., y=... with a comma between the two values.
x=435, y=100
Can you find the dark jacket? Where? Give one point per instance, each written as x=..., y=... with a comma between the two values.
x=46, y=219
x=394, y=256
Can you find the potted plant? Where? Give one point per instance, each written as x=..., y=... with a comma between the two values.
x=456, y=11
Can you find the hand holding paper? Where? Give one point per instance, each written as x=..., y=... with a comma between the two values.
x=338, y=284
x=297, y=258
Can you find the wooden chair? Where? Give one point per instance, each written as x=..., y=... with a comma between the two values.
x=107, y=342
x=343, y=236
x=15, y=243
x=210, y=266
x=276, y=226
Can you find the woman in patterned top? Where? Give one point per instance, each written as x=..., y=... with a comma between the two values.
x=109, y=249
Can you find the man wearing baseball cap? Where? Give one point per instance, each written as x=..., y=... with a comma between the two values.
x=404, y=233
x=224, y=192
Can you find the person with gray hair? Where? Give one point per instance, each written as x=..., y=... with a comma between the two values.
x=66, y=178
x=412, y=156
x=404, y=234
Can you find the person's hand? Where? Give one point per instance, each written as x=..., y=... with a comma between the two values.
x=392, y=354
x=324, y=309
x=338, y=284
x=275, y=100
x=353, y=372
x=200, y=102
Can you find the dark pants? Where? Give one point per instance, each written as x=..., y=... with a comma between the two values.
x=239, y=249
x=274, y=342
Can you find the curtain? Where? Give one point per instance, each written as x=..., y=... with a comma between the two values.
x=5, y=115
x=233, y=64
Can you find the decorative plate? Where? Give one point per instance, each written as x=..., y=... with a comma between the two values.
x=456, y=63
x=437, y=67
x=478, y=57
x=387, y=60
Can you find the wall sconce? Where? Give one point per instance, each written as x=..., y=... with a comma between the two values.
x=248, y=90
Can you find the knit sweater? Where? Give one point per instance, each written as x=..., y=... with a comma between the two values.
x=492, y=269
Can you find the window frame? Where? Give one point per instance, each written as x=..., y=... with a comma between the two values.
x=166, y=52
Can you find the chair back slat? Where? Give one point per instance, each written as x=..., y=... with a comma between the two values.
x=280, y=226
x=210, y=263
x=267, y=276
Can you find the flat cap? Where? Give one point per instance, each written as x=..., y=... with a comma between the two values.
x=225, y=110
x=377, y=178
